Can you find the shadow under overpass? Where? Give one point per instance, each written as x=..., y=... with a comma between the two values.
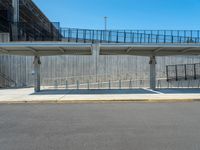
x=117, y=91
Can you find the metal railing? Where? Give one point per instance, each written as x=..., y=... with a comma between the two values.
x=130, y=36
x=104, y=81
x=121, y=83
x=183, y=72
x=111, y=84
x=7, y=81
x=191, y=83
x=28, y=31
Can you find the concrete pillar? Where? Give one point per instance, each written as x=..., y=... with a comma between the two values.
x=152, y=63
x=15, y=5
x=95, y=53
x=37, y=64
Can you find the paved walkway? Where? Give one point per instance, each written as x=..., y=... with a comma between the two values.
x=77, y=96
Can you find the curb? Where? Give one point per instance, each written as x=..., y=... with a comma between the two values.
x=99, y=101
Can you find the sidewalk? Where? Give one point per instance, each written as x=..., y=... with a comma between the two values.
x=26, y=95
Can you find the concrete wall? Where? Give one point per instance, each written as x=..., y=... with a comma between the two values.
x=83, y=68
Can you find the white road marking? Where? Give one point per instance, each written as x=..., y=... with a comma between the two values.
x=157, y=92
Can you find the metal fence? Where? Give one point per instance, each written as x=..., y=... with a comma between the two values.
x=94, y=82
x=27, y=31
x=190, y=83
x=117, y=84
x=183, y=72
x=130, y=36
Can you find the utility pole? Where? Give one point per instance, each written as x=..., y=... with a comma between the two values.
x=105, y=22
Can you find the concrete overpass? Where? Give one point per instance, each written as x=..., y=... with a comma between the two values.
x=38, y=49
x=150, y=43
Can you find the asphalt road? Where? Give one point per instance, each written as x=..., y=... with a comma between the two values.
x=120, y=126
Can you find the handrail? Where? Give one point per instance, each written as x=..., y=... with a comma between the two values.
x=130, y=36
x=122, y=84
x=7, y=78
x=104, y=36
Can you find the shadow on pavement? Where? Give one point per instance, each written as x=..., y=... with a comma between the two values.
x=94, y=91
x=179, y=91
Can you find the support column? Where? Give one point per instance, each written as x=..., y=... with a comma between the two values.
x=95, y=51
x=15, y=5
x=37, y=64
x=152, y=63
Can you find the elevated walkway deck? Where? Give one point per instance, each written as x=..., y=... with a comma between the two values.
x=64, y=48
x=150, y=43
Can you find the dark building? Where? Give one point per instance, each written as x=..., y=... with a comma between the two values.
x=32, y=24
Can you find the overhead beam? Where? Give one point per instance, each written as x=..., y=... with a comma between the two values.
x=4, y=50
x=62, y=49
x=35, y=52
x=187, y=50
x=129, y=49
x=157, y=50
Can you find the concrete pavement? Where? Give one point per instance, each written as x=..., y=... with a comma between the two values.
x=27, y=95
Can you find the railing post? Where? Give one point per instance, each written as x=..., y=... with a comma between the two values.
x=167, y=73
x=185, y=68
x=195, y=74
x=158, y=35
x=124, y=36
x=55, y=84
x=164, y=36
x=176, y=71
x=144, y=36
x=92, y=36
x=69, y=34
x=140, y=37
x=178, y=37
x=110, y=36
x=88, y=85
x=76, y=35
x=84, y=36
x=98, y=84
x=77, y=85
x=171, y=36
x=199, y=83
x=66, y=84
x=120, y=84
x=101, y=36
x=130, y=84
x=117, y=37
x=133, y=36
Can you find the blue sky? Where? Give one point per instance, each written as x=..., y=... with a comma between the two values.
x=123, y=14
